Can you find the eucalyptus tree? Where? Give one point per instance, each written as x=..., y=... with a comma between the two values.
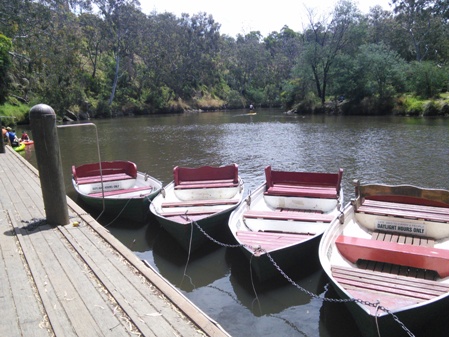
x=247, y=63
x=94, y=39
x=423, y=25
x=198, y=49
x=380, y=25
x=284, y=48
x=119, y=17
x=324, y=40
x=160, y=53
x=26, y=23
x=5, y=64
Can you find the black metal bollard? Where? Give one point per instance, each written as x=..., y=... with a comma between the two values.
x=46, y=144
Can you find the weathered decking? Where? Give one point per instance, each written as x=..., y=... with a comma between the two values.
x=78, y=281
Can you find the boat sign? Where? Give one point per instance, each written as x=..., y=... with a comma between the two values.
x=111, y=186
x=401, y=227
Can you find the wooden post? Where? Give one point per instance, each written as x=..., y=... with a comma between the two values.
x=46, y=145
x=2, y=143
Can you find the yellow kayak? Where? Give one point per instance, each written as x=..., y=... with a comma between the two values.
x=21, y=147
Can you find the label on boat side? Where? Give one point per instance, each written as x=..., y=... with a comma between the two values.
x=107, y=187
x=401, y=227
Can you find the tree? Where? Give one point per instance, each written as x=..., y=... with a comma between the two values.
x=383, y=70
x=422, y=22
x=427, y=79
x=119, y=17
x=284, y=48
x=94, y=39
x=247, y=61
x=5, y=64
x=323, y=42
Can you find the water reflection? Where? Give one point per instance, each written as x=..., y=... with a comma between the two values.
x=374, y=149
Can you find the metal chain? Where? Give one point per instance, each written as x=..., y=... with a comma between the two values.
x=312, y=295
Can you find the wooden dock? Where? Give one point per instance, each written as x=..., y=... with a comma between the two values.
x=78, y=280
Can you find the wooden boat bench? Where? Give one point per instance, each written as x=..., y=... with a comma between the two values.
x=403, y=201
x=110, y=171
x=364, y=280
x=303, y=184
x=147, y=189
x=206, y=177
x=192, y=203
x=410, y=240
x=409, y=213
x=187, y=213
x=430, y=258
x=285, y=215
x=270, y=240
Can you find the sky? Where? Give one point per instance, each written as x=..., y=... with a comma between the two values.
x=243, y=16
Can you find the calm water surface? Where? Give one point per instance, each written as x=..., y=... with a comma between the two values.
x=218, y=280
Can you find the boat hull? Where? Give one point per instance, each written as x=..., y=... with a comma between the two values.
x=304, y=261
x=212, y=219
x=414, y=319
x=367, y=303
x=189, y=236
x=291, y=244
x=132, y=209
x=130, y=206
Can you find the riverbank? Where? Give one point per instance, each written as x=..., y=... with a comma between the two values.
x=406, y=105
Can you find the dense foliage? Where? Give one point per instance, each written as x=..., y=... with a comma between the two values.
x=108, y=57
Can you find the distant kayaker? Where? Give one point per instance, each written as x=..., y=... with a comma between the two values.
x=251, y=107
x=25, y=136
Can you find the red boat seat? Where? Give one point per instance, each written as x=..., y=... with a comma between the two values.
x=206, y=177
x=423, y=257
x=111, y=171
x=303, y=184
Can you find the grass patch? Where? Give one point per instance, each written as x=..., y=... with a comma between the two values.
x=12, y=114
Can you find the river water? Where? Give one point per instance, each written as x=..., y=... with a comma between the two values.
x=389, y=150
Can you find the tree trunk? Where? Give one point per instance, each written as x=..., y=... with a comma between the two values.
x=114, y=85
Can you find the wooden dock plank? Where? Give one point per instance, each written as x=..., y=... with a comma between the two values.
x=29, y=311
x=72, y=285
x=14, y=288
x=130, y=298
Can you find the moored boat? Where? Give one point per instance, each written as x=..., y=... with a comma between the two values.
x=117, y=186
x=388, y=256
x=198, y=197
x=285, y=218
